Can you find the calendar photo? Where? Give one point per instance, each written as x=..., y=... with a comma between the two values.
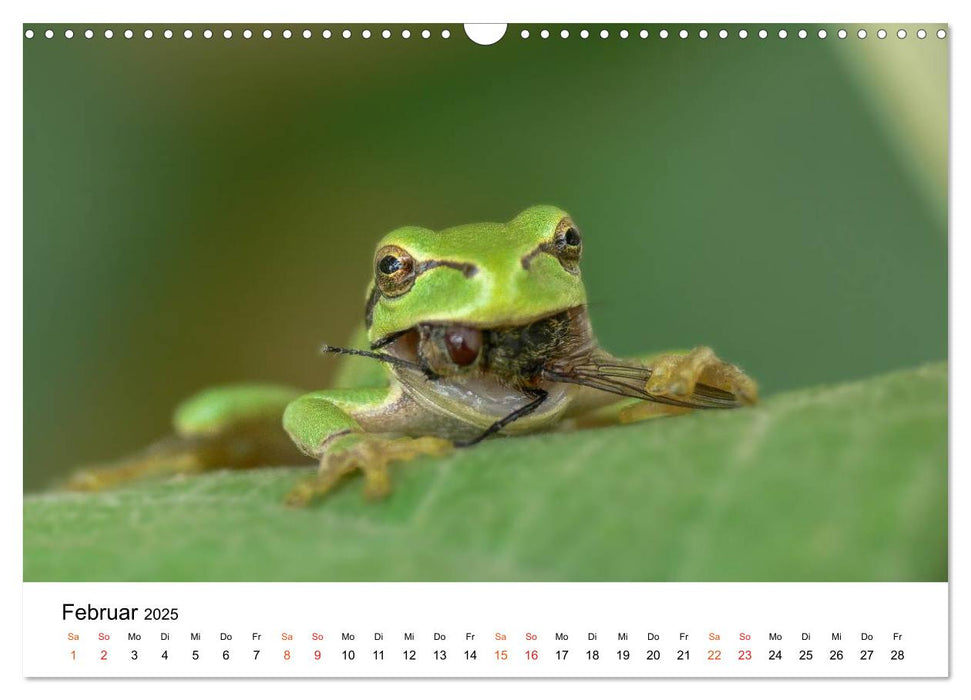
x=572, y=303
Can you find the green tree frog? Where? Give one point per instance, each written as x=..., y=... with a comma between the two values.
x=469, y=332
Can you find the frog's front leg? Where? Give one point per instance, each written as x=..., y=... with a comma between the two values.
x=348, y=431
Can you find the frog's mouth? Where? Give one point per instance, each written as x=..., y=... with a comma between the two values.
x=478, y=375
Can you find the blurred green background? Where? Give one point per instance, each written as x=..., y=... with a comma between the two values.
x=204, y=211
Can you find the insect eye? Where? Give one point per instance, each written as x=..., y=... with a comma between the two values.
x=463, y=345
x=394, y=271
x=568, y=245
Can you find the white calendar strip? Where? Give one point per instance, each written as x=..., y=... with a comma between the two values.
x=485, y=629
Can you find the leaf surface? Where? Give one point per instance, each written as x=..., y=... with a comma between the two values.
x=840, y=483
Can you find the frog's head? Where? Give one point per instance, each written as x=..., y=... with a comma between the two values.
x=478, y=275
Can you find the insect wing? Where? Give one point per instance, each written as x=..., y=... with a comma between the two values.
x=630, y=379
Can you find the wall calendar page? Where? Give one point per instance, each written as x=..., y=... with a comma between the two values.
x=560, y=350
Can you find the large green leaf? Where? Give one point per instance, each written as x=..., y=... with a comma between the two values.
x=836, y=483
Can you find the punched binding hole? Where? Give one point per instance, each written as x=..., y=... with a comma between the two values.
x=485, y=34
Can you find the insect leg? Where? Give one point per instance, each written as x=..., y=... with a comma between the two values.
x=539, y=396
x=381, y=357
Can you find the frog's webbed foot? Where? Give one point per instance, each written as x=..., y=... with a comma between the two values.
x=369, y=454
x=676, y=375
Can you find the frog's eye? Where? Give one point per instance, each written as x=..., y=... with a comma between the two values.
x=568, y=244
x=394, y=270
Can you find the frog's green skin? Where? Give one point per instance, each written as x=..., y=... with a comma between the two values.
x=481, y=276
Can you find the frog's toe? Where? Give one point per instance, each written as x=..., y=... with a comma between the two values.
x=333, y=467
x=678, y=387
x=675, y=376
x=85, y=480
x=732, y=379
x=302, y=494
x=376, y=457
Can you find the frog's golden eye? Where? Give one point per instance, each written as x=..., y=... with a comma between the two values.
x=394, y=270
x=568, y=244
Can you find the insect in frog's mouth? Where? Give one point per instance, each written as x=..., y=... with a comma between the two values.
x=535, y=358
x=516, y=353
